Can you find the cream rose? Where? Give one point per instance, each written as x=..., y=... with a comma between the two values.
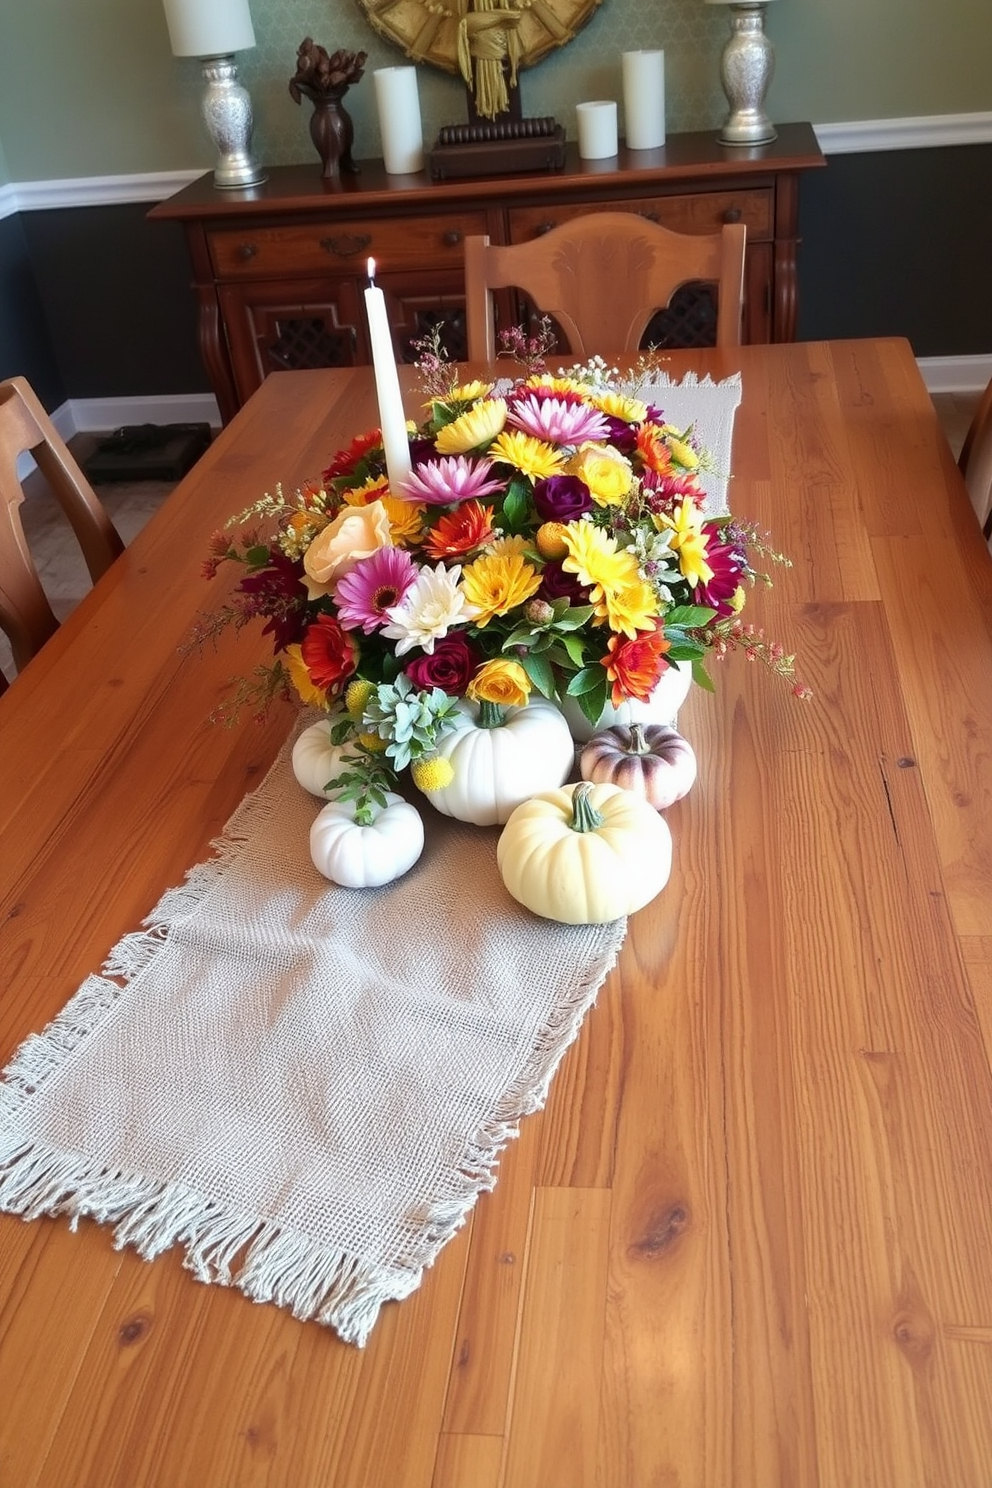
x=356, y=532
x=605, y=471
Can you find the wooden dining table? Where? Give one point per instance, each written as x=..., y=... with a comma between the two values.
x=748, y=1241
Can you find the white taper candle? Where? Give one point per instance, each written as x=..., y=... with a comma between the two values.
x=392, y=419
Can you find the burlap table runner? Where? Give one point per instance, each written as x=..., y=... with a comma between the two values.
x=305, y=1086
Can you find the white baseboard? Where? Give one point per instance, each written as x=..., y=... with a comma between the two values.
x=104, y=415
x=956, y=374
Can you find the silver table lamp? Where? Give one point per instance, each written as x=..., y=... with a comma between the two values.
x=746, y=67
x=214, y=31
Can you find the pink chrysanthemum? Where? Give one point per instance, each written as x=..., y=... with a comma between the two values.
x=450, y=479
x=557, y=418
x=373, y=586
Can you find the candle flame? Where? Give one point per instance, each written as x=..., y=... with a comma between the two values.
x=371, y=270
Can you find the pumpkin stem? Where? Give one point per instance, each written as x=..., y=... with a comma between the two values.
x=585, y=817
x=638, y=743
x=491, y=715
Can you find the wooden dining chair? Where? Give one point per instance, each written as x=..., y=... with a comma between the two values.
x=25, y=613
x=975, y=461
x=602, y=276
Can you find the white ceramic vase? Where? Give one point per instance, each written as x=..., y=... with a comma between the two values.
x=661, y=707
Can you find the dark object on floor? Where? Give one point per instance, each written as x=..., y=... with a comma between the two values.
x=148, y=452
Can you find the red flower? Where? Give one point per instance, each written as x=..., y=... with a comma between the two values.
x=467, y=527
x=635, y=666
x=346, y=461
x=329, y=654
x=451, y=666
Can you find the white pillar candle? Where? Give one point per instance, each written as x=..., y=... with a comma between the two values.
x=644, y=99
x=392, y=419
x=398, y=105
x=597, y=123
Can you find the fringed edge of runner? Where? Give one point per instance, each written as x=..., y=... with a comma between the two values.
x=476, y=1171
x=265, y=1261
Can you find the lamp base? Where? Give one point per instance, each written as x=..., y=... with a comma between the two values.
x=226, y=110
x=746, y=68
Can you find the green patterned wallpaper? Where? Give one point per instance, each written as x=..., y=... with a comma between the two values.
x=127, y=105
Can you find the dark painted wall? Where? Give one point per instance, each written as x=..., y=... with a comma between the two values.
x=899, y=244
x=96, y=301
x=25, y=345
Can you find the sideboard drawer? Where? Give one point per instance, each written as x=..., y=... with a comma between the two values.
x=703, y=212
x=397, y=243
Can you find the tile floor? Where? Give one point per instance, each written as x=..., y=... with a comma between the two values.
x=130, y=505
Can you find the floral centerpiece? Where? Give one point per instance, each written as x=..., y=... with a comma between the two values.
x=550, y=543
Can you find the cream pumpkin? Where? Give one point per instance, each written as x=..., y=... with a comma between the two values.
x=316, y=760
x=585, y=854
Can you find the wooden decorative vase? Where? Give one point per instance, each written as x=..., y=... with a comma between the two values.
x=332, y=132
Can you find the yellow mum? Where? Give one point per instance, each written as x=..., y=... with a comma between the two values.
x=373, y=488
x=631, y=608
x=496, y=583
x=476, y=427
x=500, y=681
x=596, y=561
x=532, y=457
x=468, y=392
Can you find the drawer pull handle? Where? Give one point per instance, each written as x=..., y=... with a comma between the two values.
x=347, y=245
x=452, y=239
x=542, y=228
x=247, y=250
x=732, y=214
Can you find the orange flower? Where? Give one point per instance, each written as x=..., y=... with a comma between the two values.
x=654, y=452
x=635, y=666
x=460, y=531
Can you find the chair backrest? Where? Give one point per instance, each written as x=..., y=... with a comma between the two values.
x=975, y=461
x=25, y=613
x=602, y=276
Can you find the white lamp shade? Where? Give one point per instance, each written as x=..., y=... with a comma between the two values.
x=208, y=28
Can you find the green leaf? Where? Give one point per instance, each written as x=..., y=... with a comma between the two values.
x=691, y=617
x=575, y=616
x=587, y=680
x=576, y=648
x=540, y=672
x=701, y=677
x=257, y=556
x=516, y=504
x=593, y=702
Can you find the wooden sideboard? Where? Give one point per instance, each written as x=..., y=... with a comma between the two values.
x=279, y=269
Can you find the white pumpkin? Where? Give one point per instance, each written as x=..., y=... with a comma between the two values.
x=651, y=759
x=585, y=854
x=365, y=857
x=316, y=761
x=661, y=707
x=497, y=768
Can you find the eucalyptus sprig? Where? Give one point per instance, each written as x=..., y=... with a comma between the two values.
x=366, y=781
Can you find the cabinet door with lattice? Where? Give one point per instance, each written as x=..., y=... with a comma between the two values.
x=292, y=325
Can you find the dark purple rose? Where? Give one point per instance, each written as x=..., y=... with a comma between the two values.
x=557, y=584
x=451, y=666
x=422, y=450
x=622, y=435
x=561, y=498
